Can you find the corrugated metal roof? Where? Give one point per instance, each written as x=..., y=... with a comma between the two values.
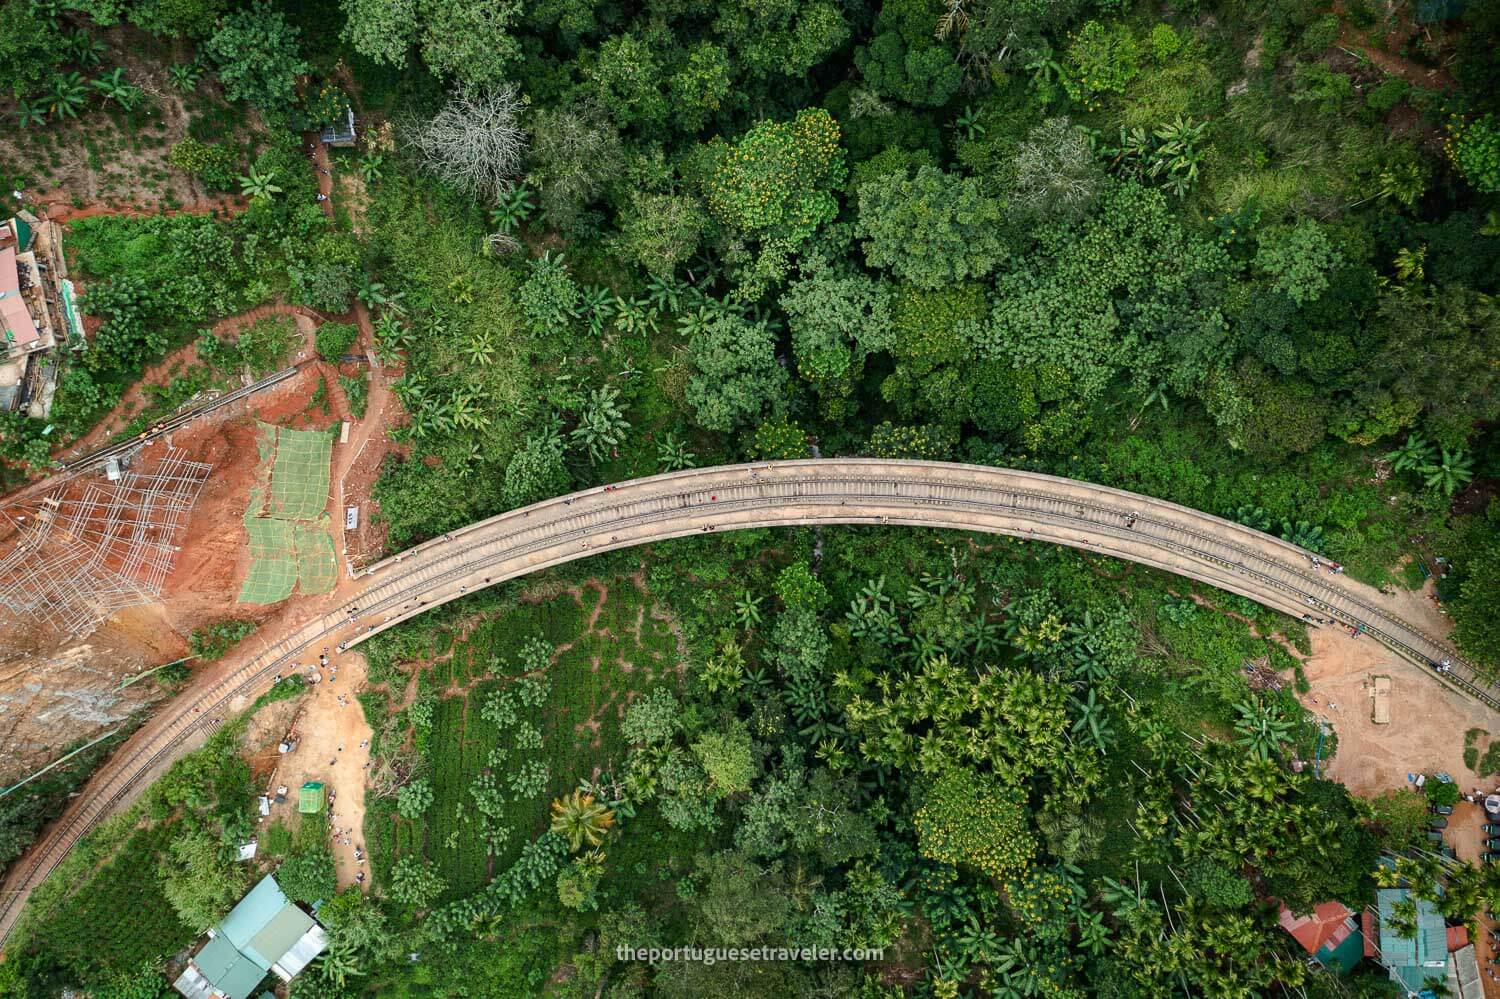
x=227, y=970
x=279, y=935
x=255, y=911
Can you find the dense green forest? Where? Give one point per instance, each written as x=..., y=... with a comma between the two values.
x=1242, y=256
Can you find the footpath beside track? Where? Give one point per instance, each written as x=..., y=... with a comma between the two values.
x=1025, y=505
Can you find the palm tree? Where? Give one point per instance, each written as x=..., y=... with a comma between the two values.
x=1253, y=517
x=1455, y=471
x=372, y=168
x=672, y=454
x=1092, y=722
x=255, y=184
x=747, y=610
x=581, y=818
x=1302, y=534
x=479, y=349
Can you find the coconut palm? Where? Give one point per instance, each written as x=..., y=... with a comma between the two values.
x=1302, y=534
x=747, y=610
x=581, y=818
x=479, y=349
x=255, y=184
x=1253, y=517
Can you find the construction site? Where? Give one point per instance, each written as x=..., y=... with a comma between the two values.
x=93, y=544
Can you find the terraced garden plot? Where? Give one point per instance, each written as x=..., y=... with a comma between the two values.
x=610, y=646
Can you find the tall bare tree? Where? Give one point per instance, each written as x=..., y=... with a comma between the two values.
x=475, y=143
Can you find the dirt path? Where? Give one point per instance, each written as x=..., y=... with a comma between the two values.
x=333, y=747
x=61, y=212
x=1359, y=40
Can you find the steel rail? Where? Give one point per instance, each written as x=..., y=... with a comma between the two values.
x=999, y=501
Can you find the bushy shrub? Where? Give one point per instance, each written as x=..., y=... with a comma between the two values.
x=214, y=163
x=334, y=340
x=1475, y=150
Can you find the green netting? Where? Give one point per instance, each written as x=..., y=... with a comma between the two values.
x=299, y=477
x=317, y=569
x=273, y=560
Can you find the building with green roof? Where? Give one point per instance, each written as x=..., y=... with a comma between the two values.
x=1411, y=961
x=264, y=934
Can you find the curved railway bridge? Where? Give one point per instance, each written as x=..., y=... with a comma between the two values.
x=774, y=494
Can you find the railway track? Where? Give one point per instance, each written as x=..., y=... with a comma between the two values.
x=998, y=501
x=119, y=447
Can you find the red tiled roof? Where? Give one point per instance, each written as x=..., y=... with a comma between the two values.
x=1328, y=925
x=1367, y=924
x=1458, y=938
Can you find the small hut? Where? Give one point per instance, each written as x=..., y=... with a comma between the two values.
x=312, y=798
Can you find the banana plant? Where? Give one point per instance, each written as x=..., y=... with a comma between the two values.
x=968, y=124
x=68, y=95
x=514, y=208
x=82, y=48
x=184, y=76
x=255, y=184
